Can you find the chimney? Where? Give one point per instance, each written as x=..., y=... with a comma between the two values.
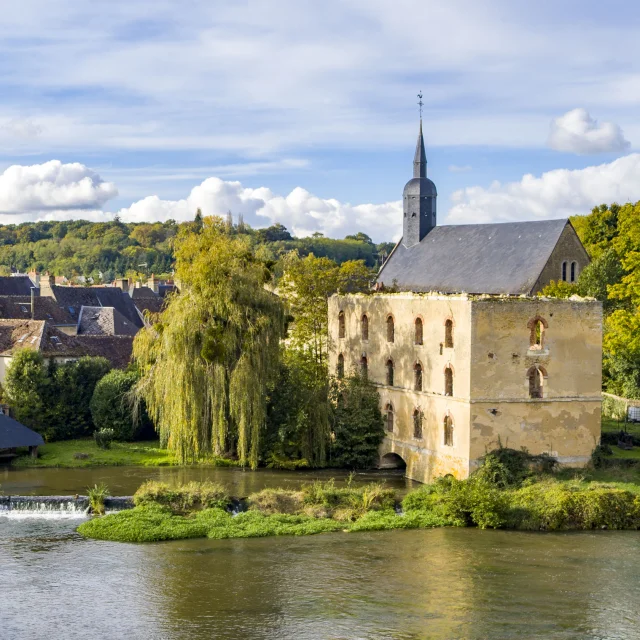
x=35, y=277
x=123, y=283
x=153, y=283
x=33, y=302
x=46, y=282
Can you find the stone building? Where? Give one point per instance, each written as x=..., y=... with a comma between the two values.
x=464, y=354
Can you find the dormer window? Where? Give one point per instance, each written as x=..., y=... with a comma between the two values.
x=55, y=340
x=24, y=309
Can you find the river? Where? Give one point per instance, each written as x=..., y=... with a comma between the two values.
x=398, y=585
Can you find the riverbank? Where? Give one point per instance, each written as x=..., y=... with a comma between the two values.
x=83, y=453
x=493, y=498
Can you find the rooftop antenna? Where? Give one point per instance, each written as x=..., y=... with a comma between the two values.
x=420, y=103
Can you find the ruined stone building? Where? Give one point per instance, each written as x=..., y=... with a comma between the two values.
x=464, y=353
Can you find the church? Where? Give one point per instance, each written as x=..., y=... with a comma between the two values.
x=465, y=354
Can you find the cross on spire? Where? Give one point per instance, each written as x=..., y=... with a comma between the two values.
x=420, y=103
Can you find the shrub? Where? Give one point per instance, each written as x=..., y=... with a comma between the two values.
x=269, y=501
x=96, y=495
x=504, y=467
x=184, y=498
x=111, y=407
x=104, y=438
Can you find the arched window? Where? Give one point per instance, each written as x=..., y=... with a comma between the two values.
x=390, y=329
x=417, y=377
x=536, y=376
x=341, y=325
x=389, y=417
x=417, y=423
x=574, y=271
x=340, y=366
x=448, y=381
x=364, y=327
x=418, y=332
x=448, y=334
x=564, y=271
x=364, y=366
x=448, y=431
x=537, y=327
x=390, y=372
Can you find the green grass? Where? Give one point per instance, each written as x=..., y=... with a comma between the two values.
x=62, y=454
x=613, y=426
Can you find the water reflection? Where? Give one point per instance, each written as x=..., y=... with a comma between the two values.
x=401, y=585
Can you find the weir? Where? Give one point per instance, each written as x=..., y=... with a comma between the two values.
x=56, y=506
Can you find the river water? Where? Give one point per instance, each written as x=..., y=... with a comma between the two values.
x=399, y=585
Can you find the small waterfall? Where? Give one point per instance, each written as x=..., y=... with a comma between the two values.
x=55, y=507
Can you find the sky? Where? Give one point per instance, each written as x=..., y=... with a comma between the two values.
x=304, y=112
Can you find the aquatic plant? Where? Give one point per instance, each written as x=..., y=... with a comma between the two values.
x=96, y=495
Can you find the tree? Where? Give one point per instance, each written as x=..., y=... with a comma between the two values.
x=207, y=361
x=112, y=407
x=356, y=422
x=53, y=399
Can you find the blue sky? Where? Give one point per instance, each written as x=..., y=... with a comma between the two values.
x=305, y=112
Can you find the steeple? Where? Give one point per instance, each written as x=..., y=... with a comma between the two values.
x=420, y=158
x=419, y=197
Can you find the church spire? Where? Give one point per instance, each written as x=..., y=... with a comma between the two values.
x=420, y=158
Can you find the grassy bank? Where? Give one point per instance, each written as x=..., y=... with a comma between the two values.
x=84, y=453
x=497, y=496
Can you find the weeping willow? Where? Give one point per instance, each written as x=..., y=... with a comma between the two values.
x=209, y=356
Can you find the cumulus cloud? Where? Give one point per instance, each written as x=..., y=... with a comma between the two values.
x=577, y=132
x=555, y=194
x=300, y=211
x=52, y=186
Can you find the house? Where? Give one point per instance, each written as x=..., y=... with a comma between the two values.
x=465, y=355
x=14, y=435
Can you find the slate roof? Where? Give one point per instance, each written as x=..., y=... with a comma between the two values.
x=15, y=285
x=104, y=321
x=13, y=434
x=505, y=258
x=19, y=308
x=18, y=334
x=146, y=299
x=73, y=298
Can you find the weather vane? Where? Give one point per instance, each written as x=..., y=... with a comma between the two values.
x=420, y=103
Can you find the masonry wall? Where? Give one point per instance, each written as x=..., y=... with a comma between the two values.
x=566, y=420
x=428, y=456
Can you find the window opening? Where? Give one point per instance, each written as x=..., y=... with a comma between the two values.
x=448, y=381
x=417, y=423
x=390, y=372
x=448, y=334
x=419, y=332
x=389, y=410
x=364, y=325
x=341, y=325
x=448, y=431
x=390, y=329
x=340, y=366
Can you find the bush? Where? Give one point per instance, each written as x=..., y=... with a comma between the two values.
x=104, y=438
x=504, y=467
x=111, y=407
x=184, y=498
x=270, y=501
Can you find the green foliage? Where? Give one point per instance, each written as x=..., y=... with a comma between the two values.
x=53, y=399
x=356, y=422
x=183, y=498
x=504, y=467
x=112, y=405
x=270, y=501
x=96, y=495
x=207, y=363
x=104, y=437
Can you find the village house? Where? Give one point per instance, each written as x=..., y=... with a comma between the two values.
x=465, y=355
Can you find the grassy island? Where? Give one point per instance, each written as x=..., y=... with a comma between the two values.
x=511, y=490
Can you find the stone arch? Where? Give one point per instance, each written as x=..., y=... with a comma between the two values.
x=448, y=379
x=391, y=328
x=340, y=366
x=537, y=381
x=418, y=325
x=537, y=327
x=364, y=326
x=392, y=461
x=448, y=333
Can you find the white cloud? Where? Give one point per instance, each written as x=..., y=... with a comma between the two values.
x=577, y=132
x=300, y=211
x=52, y=186
x=555, y=194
